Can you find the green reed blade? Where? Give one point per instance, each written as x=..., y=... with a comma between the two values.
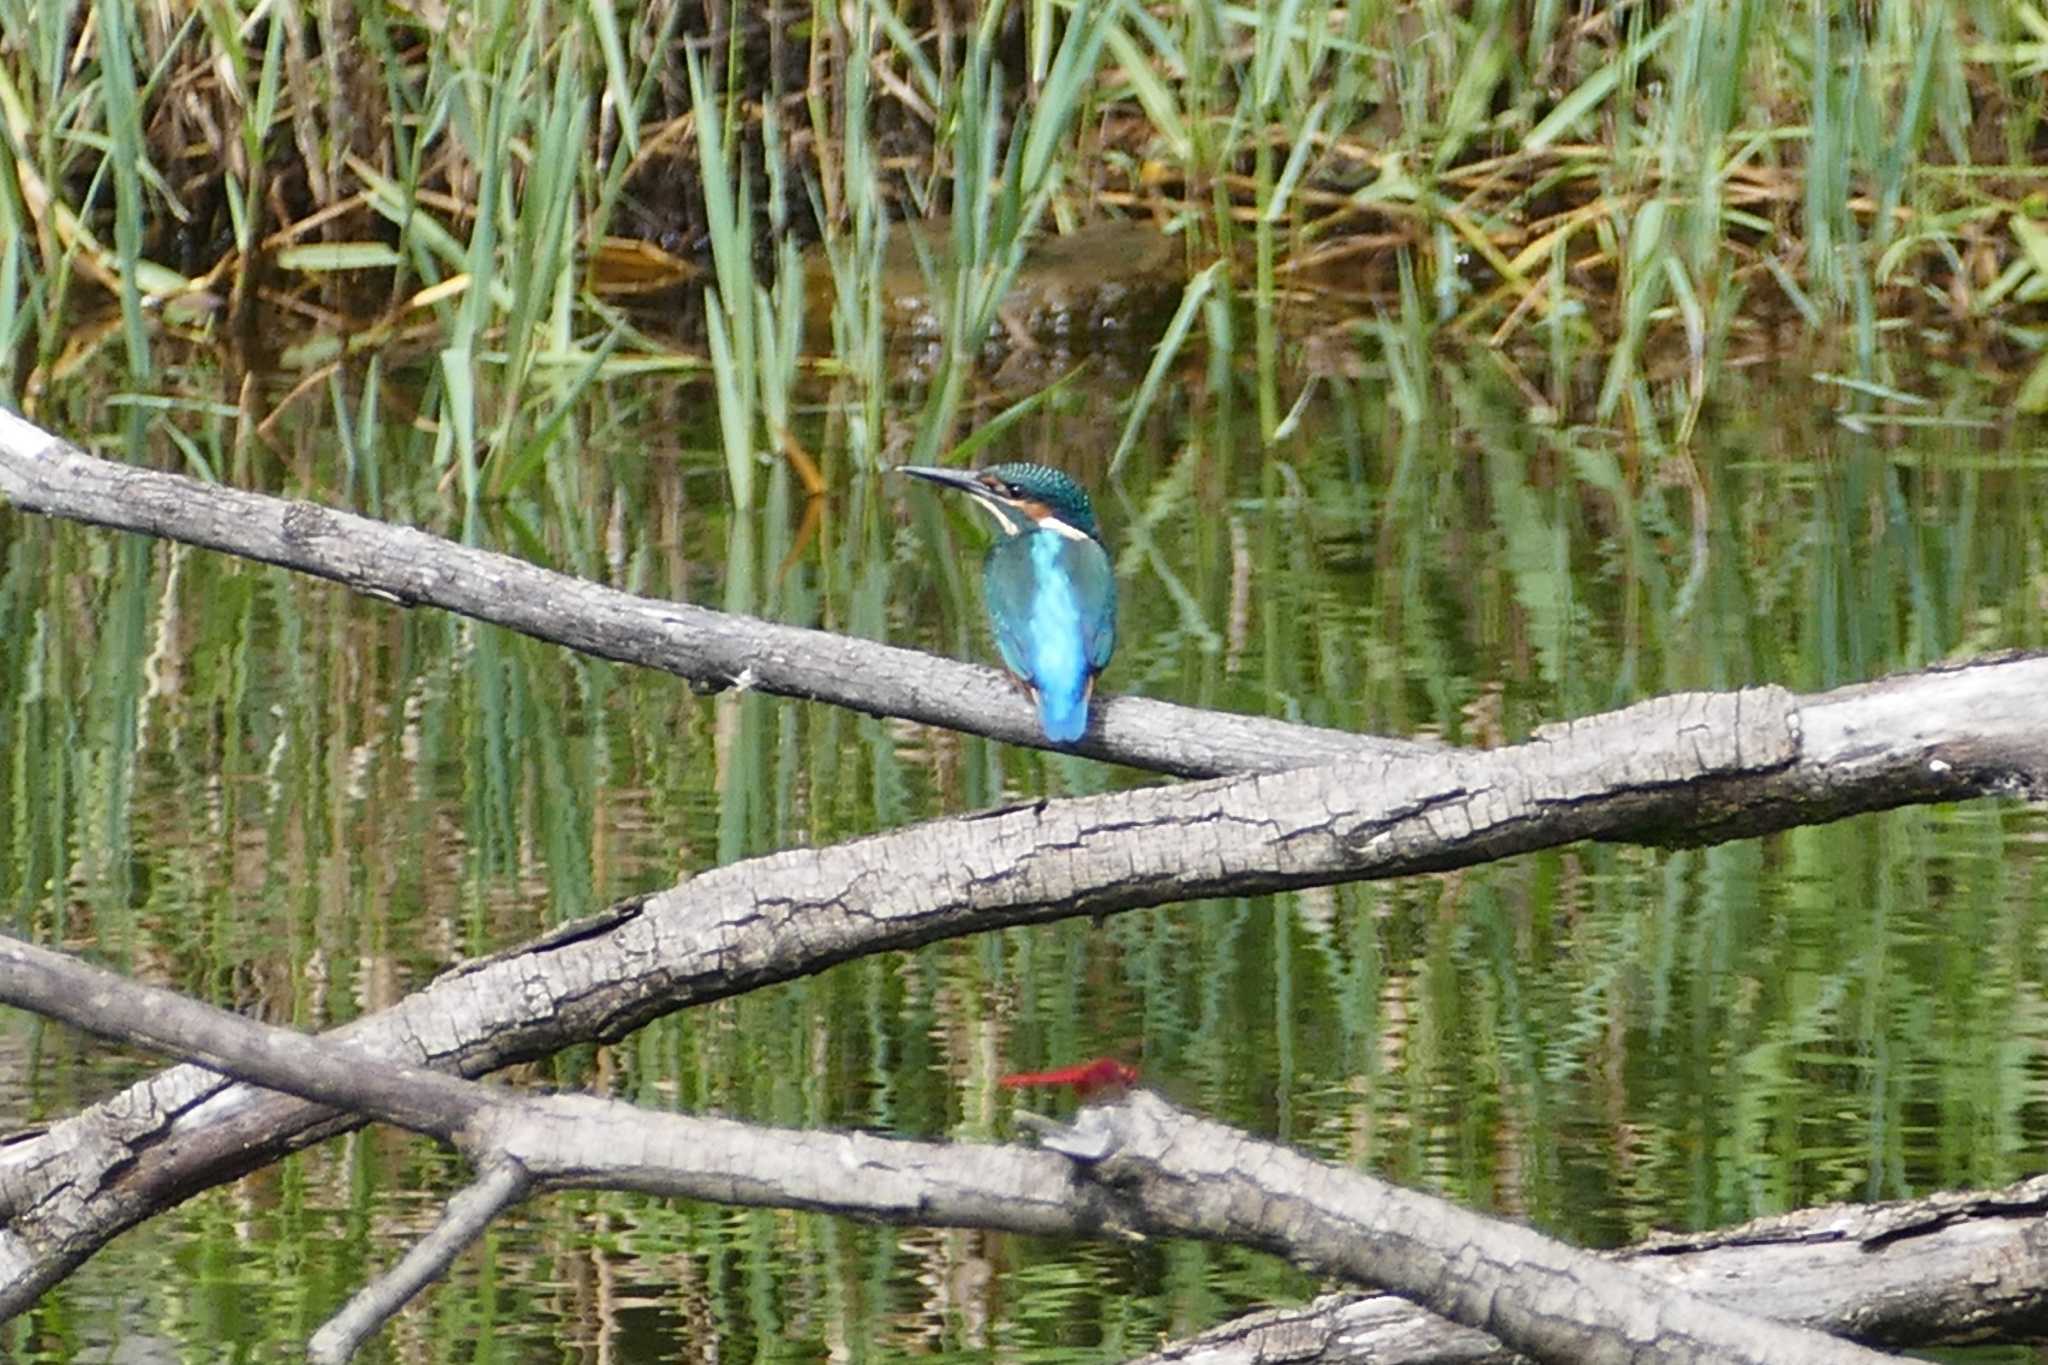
x=1154, y=96
x=779, y=312
x=730, y=306
x=1592, y=92
x=18, y=286
x=625, y=99
x=1192, y=299
x=1645, y=280
x=1914, y=115
x=2033, y=391
x=988, y=432
x=906, y=46
x=1062, y=93
x=124, y=125
x=543, y=260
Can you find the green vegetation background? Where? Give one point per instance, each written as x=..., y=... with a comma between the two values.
x=1530, y=359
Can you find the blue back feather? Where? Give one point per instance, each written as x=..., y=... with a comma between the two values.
x=1053, y=601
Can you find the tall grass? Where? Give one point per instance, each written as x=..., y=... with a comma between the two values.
x=729, y=312
x=847, y=202
x=999, y=191
x=1642, y=193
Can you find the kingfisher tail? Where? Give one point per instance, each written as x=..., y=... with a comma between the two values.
x=1063, y=713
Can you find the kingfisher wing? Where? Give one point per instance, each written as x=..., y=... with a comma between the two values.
x=1094, y=579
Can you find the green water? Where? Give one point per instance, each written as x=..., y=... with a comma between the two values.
x=302, y=804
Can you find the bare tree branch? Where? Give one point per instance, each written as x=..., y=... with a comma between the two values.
x=1690, y=767
x=1679, y=770
x=1950, y=1268
x=42, y=473
x=1538, y=1296
x=1141, y=1166
x=500, y=1183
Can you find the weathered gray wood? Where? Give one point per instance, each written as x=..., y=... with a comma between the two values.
x=1143, y=1167
x=1665, y=770
x=1684, y=769
x=500, y=1184
x=40, y=472
x=1951, y=1268
x=1537, y=1295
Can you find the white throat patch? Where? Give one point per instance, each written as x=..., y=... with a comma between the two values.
x=1005, y=517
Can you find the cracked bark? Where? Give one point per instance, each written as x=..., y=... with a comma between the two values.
x=1688, y=769
x=1199, y=1178
x=1680, y=768
x=40, y=472
x=1949, y=1268
x=1139, y=1167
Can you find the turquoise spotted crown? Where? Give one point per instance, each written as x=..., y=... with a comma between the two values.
x=1067, y=499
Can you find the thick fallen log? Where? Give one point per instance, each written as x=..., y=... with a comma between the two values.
x=1686, y=768
x=1951, y=1268
x=1137, y=1167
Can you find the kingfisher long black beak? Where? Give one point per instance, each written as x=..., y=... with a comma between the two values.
x=1001, y=507
x=966, y=480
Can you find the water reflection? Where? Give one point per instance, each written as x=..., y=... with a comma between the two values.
x=303, y=804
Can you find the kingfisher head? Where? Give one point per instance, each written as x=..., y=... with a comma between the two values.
x=1021, y=497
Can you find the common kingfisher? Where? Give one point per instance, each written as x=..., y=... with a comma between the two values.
x=1051, y=591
